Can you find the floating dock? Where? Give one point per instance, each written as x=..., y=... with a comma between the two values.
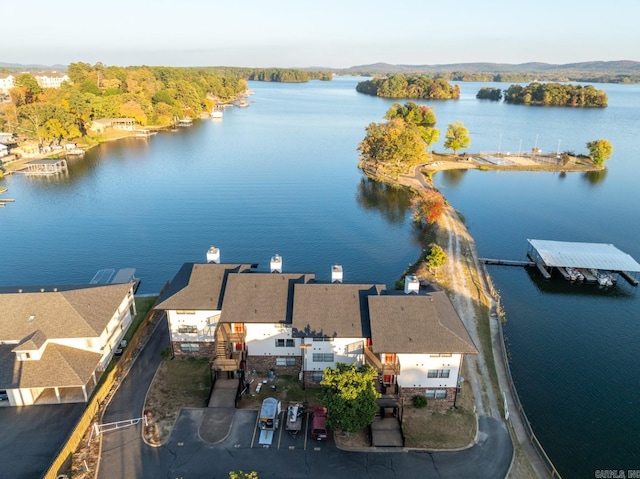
x=589, y=262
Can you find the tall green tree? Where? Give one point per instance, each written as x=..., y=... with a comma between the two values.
x=600, y=151
x=457, y=137
x=349, y=396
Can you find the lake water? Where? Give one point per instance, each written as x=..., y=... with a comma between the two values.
x=281, y=177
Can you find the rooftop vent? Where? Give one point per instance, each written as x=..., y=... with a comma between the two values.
x=213, y=255
x=31, y=318
x=276, y=263
x=336, y=273
x=411, y=284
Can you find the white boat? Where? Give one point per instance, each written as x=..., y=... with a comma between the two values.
x=216, y=114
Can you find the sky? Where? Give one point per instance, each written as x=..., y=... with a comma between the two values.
x=326, y=33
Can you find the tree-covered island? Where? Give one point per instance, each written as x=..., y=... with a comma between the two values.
x=556, y=94
x=404, y=86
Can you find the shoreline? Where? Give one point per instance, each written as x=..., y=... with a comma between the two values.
x=478, y=292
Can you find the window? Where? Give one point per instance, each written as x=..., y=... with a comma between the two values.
x=285, y=361
x=317, y=376
x=187, y=329
x=190, y=348
x=436, y=393
x=443, y=355
x=291, y=343
x=438, y=373
x=282, y=343
x=185, y=312
x=238, y=327
x=322, y=357
x=279, y=343
x=319, y=340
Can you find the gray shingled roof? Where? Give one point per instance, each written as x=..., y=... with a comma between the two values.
x=78, y=313
x=260, y=297
x=417, y=324
x=60, y=366
x=332, y=310
x=199, y=286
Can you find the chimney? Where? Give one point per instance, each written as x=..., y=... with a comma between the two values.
x=411, y=284
x=213, y=255
x=276, y=263
x=336, y=273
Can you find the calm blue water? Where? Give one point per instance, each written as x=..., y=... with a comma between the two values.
x=281, y=177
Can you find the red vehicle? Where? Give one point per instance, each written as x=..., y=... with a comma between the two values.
x=319, y=423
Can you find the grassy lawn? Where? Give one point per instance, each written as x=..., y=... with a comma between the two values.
x=178, y=383
x=143, y=305
x=441, y=429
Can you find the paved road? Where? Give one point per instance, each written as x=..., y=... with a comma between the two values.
x=31, y=436
x=186, y=455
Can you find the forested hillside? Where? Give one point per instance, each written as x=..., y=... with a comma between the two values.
x=150, y=95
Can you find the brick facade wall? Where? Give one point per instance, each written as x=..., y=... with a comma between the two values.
x=207, y=349
x=406, y=395
x=263, y=364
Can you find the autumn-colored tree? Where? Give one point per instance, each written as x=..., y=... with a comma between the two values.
x=600, y=151
x=427, y=205
x=395, y=146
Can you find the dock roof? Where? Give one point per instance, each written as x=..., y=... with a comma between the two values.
x=584, y=255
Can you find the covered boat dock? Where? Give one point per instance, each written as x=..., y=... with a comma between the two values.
x=591, y=262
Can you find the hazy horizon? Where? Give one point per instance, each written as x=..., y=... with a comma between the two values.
x=331, y=34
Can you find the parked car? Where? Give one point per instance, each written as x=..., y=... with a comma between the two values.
x=4, y=396
x=319, y=423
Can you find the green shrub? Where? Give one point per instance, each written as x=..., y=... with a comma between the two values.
x=419, y=401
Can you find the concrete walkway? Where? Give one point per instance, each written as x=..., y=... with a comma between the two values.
x=218, y=418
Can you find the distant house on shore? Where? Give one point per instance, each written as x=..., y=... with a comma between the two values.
x=6, y=83
x=105, y=124
x=53, y=80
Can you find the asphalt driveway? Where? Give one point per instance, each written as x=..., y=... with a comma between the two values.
x=31, y=436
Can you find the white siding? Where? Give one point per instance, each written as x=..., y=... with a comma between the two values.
x=205, y=323
x=261, y=340
x=344, y=350
x=414, y=370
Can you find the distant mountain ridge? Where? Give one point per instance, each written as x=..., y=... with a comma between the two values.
x=617, y=66
x=18, y=66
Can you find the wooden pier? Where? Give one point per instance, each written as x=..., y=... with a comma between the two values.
x=507, y=262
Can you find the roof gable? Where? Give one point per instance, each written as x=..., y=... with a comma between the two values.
x=332, y=309
x=417, y=324
x=75, y=313
x=260, y=297
x=199, y=286
x=59, y=365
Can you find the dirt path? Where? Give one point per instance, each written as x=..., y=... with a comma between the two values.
x=460, y=253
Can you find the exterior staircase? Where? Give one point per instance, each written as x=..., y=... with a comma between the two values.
x=224, y=358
